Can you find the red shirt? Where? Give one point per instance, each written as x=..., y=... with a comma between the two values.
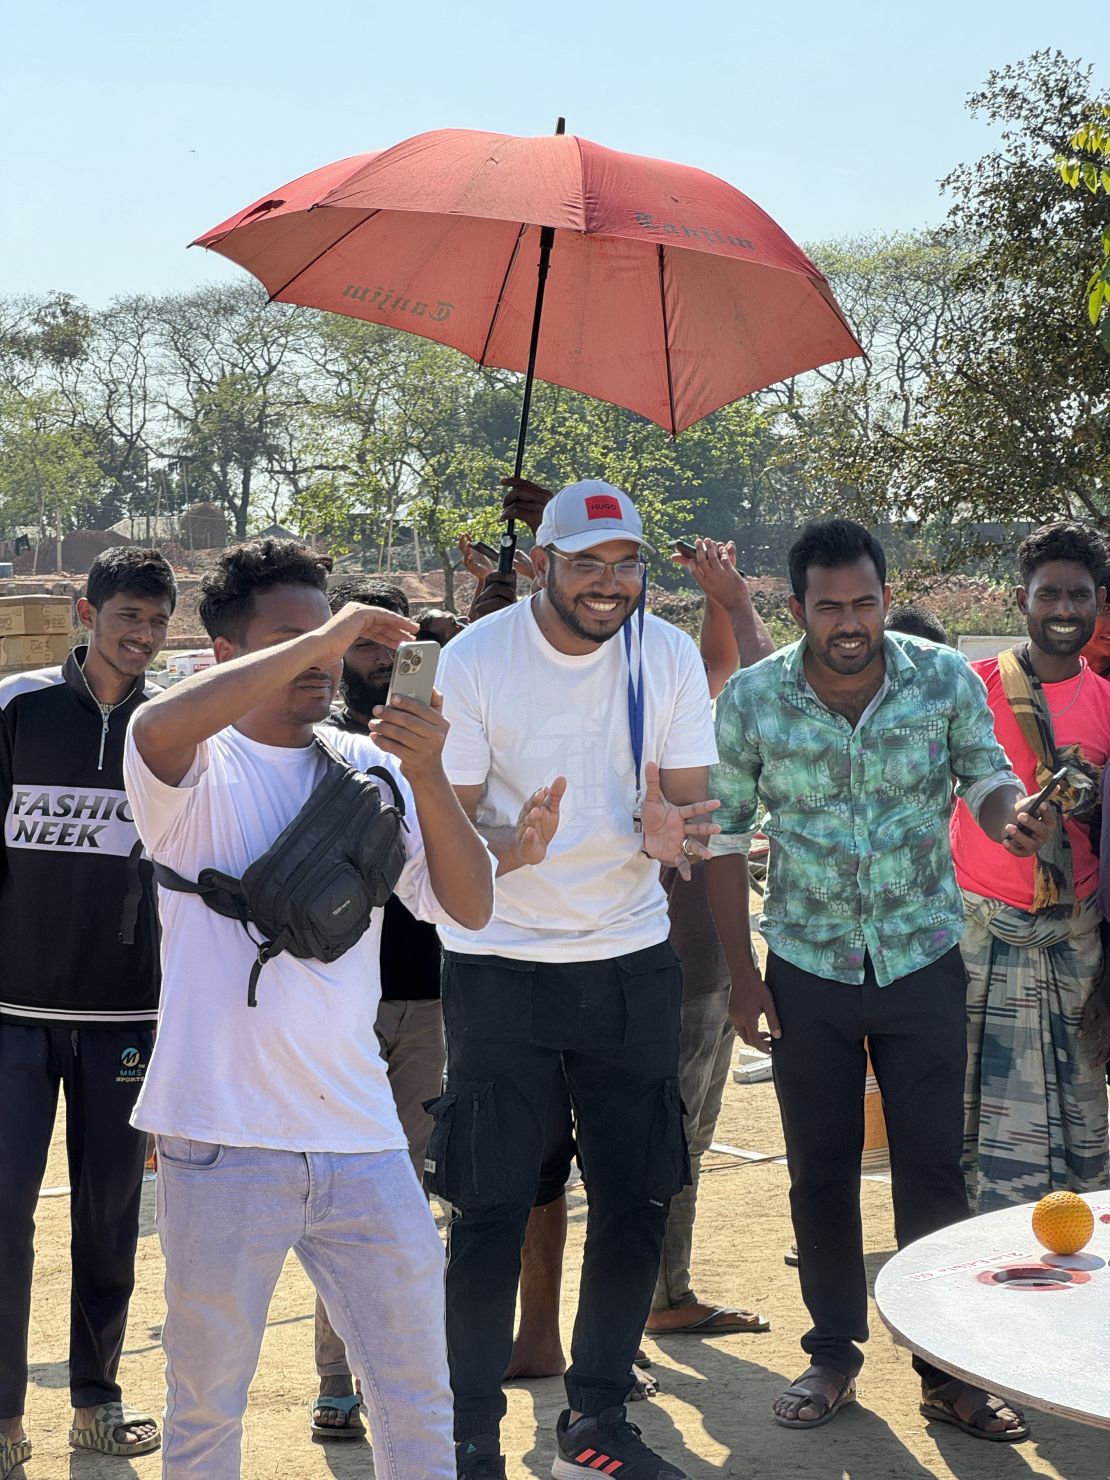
x=1080, y=709
x=1097, y=651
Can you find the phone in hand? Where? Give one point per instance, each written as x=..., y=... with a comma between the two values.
x=1034, y=808
x=687, y=551
x=414, y=671
x=487, y=550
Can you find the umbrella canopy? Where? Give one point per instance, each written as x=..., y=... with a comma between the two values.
x=670, y=293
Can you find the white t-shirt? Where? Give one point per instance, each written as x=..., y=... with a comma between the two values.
x=522, y=713
x=302, y=1070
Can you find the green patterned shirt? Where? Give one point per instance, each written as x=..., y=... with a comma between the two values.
x=860, y=860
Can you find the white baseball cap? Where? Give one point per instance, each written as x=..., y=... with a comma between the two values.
x=587, y=514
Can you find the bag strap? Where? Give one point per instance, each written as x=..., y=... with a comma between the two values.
x=133, y=898
x=380, y=772
x=636, y=694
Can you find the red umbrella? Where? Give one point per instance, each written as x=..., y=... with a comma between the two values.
x=669, y=292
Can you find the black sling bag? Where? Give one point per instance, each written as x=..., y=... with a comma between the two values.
x=312, y=891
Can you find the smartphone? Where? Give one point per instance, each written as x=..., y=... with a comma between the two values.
x=1054, y=783
x=487, y=550
x=688, y=552
x=414, y=671
x=1034, y=807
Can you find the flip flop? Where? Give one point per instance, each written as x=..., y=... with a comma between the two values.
x=107, y=1418
x=943, y=1410
x=723, y=1321
x=846, y=1394
x=13, y=1453
x=352, y=1426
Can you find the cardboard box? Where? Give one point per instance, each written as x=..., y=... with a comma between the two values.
x=38, y=650
x=192, y=660
x=35, y=616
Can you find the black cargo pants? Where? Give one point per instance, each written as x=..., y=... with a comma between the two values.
x=612, y=1027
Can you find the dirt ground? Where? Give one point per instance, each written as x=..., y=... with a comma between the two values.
x=712, y=1413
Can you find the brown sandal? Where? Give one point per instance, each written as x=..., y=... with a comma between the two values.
x=939, y=1408
x=845, y=1393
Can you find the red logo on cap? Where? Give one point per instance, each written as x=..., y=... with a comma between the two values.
x=601, y=506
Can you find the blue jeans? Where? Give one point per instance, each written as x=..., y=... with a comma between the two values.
x=361, y=1226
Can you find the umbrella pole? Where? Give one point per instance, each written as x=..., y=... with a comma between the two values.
x=547, y=241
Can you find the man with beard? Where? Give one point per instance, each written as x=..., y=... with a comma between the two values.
x=1035, y=1103
x=409, y=1024
x=851, y=739
x=574, y=976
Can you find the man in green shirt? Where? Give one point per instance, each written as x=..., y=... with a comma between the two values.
x=851, y=739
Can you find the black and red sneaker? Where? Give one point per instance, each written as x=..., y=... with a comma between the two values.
x=607, y=1445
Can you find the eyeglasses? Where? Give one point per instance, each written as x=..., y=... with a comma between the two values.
x=589, y=567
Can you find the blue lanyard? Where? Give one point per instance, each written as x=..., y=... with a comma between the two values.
x=636, y=692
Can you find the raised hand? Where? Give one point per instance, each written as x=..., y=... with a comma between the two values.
x=478, y=564
x=495, y=592
x=355, y=621
x=524, y=501
x=713, y=566
x=413, y=732
x=671, y=834
x=539, y=821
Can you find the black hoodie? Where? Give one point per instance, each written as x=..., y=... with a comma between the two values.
x=78, y=923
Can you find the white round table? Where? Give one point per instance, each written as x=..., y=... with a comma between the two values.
x=984, y=1301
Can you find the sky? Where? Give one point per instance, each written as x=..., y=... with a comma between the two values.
x=129, y=129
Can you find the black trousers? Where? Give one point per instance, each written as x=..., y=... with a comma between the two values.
x=101, y=1071
x=917, y=1034
x=514, y=1027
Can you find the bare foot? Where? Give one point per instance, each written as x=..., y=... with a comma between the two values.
x=12, y=1428
x=539, y=1355
x=124, y=1433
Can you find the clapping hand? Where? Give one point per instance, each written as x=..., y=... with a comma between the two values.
x=539, y=821
x=671, y=833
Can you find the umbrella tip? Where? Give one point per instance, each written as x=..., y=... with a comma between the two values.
x=560, y=126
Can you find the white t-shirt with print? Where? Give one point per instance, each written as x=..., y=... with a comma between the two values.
x=302, y=1070
x=522, y=713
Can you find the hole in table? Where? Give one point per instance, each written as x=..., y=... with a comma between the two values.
x=1032, y=1277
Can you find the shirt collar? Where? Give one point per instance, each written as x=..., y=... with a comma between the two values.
x=900, y=667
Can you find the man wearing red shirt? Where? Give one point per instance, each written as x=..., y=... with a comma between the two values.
x=1036, y=1115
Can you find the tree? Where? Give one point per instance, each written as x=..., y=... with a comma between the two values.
x=1010, y=421
x=228, y=374
x=46, y=466
x=1088, y=162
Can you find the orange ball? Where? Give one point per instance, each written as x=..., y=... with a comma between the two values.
x=1063, y=1222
